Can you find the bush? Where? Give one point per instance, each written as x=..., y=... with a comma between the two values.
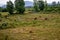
x=6, y=25
x=0, y=9
x=3, y=25
x=4, y=10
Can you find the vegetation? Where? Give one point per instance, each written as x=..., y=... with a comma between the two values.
x=41, y=5
x=0, y=9
x=10, y=7
x=37, y=26
x=36, y=7
x=20, y=6
x=33, y=25
x=3, y=9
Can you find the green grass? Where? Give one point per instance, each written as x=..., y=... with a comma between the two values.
x=26, y=27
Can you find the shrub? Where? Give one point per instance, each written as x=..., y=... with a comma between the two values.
x=0, y=9
x=3, y=26
x=4, y=10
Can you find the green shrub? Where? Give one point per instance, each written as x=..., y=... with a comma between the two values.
x=4, y=10
x=6, y=25
x=3, y=25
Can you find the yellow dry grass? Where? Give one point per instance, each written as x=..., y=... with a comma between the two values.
x=29, y=29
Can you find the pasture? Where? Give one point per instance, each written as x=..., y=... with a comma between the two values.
x=30, y=26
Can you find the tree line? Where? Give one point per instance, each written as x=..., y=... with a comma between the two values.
x=19, y=6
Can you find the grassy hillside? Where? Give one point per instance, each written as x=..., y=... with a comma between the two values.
x=30, y=26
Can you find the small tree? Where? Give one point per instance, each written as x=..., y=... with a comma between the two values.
x=36, y=7
x=41, y=5
x=58, y=4
x=20, y=6
x=10, y=7
x=45, y=5
x=54, y=3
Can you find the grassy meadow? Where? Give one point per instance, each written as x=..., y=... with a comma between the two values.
x=30, y=26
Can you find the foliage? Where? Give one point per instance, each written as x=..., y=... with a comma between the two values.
x=41, y=5
x=0, y=9
x=53, y=3
x=3, y=26
x=36, y=7
x=20, y=6
x=10, y=7
x=3, y=9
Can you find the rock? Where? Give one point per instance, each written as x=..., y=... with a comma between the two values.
x=35, y=18
x=46, y=18
x=30, y=32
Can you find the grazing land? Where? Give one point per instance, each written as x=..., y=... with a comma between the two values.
x=30, y=26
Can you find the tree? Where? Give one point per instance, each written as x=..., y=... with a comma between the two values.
x=45, y=4
x=36, y=5
x=41, y=5
x=20, y=6
x=54, y=3
x=10, y=7
x=58, y=4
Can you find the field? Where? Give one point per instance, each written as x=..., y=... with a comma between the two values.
x=30, y=26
